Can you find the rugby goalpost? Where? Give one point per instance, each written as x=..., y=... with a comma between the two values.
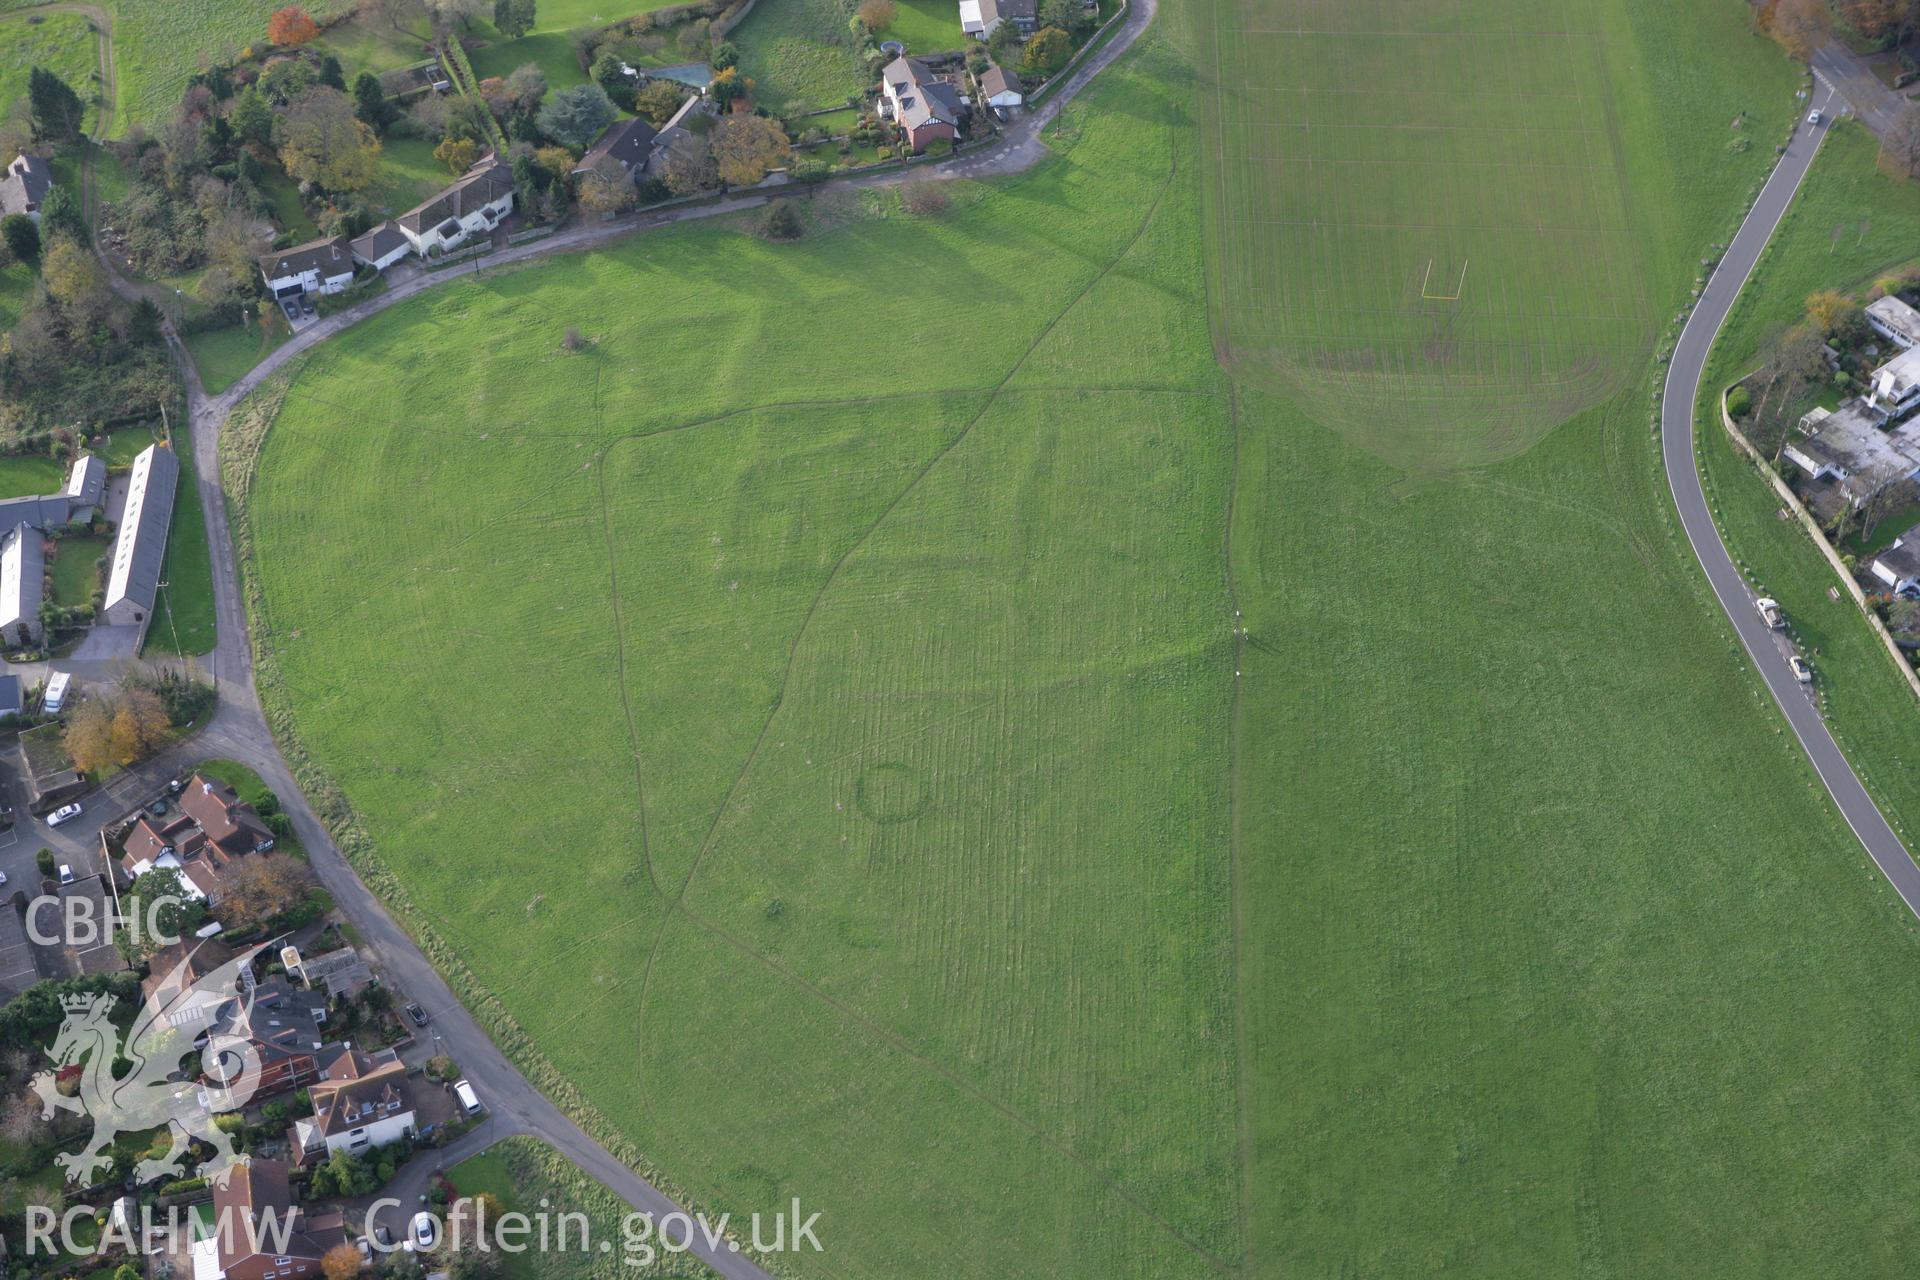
x=1426, y=282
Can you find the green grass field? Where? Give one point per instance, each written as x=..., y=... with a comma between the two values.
x=223, y=356
x=408, y=175
x=63, y=43
x=798, y=55
x=551, y=52
x=883, y=807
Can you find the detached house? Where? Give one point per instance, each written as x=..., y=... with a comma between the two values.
x=201, y=839
x=924, y=106
x=258, y=1232
x=1899, y=565
x=629, y=143
x=361, y=1101
x=318, y=266
x=1002, y=89
x=25, y=186
x=281, y=1029
x=472, y=206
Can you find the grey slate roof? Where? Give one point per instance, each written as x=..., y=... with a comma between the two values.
x=330, y=256
x=27, y=181
x=922, y=98
x=141, y=543
x=45, y=512
x=628, y=141
x=23, y=567
x=12, y=697
x=380, y=241
x=1902, y=559
x=487, y=181
x=87, y=482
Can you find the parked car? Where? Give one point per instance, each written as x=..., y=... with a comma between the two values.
x=306, y=303
x=469, y=1100
x=423, y=1233
x=66, y=874
x=365, y=1246
x=3, y=877
x=418, y=1015
x=65, y=813
x=382, y=1236
x=1769, y=610
x=291, y=307
x=158, y=808
x=1801, y=671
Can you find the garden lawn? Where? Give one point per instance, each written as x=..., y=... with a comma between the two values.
x=409, y=175
x=799, y=55
x=76, y=568
x=926, y=26
x=939, y=849
x=368, y=42
x=288, y=213
x=553, y=53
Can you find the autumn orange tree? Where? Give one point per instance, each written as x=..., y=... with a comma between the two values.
x=342, y=1262
x=1800, y=26
x=291, y=26
x=745, y=147
x=260, y=888
x=141, y=725
x=89, y=736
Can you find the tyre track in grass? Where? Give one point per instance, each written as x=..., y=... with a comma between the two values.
x=893, y=1039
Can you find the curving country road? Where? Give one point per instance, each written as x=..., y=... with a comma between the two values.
x=239, y=730
x=1876, y=835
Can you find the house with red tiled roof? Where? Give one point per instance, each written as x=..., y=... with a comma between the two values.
x=258, y=1232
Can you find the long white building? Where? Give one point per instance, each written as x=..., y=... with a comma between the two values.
x=141, y=544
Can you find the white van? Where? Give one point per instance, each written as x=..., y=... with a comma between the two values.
x=469, y=1100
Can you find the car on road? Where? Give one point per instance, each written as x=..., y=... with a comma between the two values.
x=3, y=877
x=66, y=873
x=1801, y=671
x=418, y=1014
x=1814, y=119
x=65, y=813
x=423, y=1233
x=1769, y=610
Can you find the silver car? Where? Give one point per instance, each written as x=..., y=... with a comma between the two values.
x=65, y=813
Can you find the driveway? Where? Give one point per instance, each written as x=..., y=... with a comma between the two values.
x=1869, y=825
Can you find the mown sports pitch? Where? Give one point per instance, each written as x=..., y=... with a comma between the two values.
x=1422, y=226
x=812, y=726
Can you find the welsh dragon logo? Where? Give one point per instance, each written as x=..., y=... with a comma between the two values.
x=154, y=1091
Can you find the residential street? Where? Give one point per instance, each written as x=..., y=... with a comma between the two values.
x=1848, y=74
x=239, y=731
x=1696, y=516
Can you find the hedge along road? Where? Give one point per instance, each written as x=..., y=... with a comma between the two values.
x=239, y=729
x=1677, y=405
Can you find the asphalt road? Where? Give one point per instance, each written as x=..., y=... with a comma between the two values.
x=1842, y=69
x=239, y=730
x=1683, y=476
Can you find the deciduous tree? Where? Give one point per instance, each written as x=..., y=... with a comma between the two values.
x=1046, y=53
x=458, y=154
x=342, y=1262
x=1832, y=313
x=22, y=237
x=291, y=27
x=1801, y=26
x=688, y=166
x=658, y=100
x=746, y=147
x=370, y=102
x=262, y=887
x=174, y=912
x=140, y=724
x=607, y=188
x=323, y=142
x=513, y=18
